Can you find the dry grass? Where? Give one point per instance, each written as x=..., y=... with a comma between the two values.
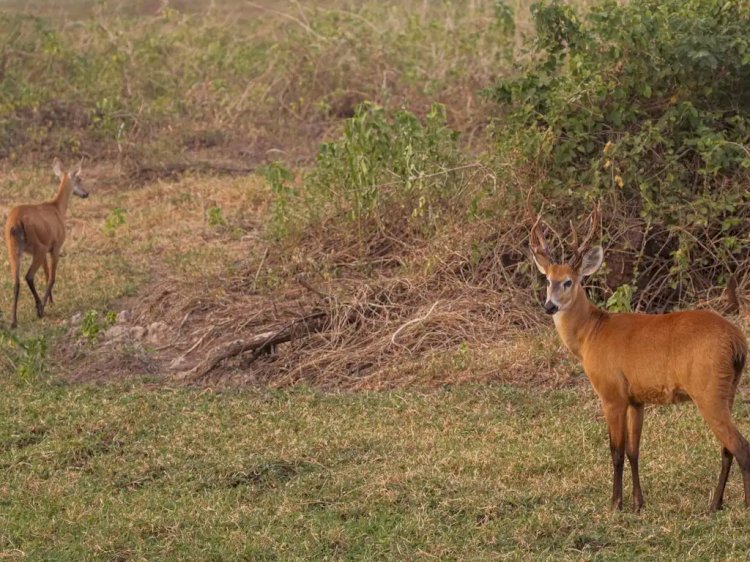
x=236, y=82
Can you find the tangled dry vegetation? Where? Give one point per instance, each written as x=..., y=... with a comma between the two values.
x=400, y=313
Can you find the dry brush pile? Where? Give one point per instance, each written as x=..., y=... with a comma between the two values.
x=438, y=314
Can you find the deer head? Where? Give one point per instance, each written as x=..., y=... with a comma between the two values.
x=564, y=280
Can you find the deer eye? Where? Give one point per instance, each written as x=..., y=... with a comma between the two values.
x=568, y=284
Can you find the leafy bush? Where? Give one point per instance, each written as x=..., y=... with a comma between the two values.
x=114, y=220
x=620, y=300
x=279, y=178
x=214, y=217
x=94, y=324
x=384, y=168
x=644, y=103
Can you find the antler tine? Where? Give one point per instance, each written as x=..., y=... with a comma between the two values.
x=581, y=249
x=540, y=245
x=593, y=220
x=575, y=236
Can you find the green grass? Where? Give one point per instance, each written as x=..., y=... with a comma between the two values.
x=472, y=473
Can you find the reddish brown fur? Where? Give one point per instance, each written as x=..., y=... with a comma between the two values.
x=636, y=359
x=38, y=230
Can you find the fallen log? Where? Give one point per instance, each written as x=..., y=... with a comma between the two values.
x=259, y=344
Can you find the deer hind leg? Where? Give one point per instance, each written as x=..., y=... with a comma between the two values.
x=616, y=415
x=726, y=463
x=15, y=251
x=719, y=418
x=35, y=264
x=632, y=446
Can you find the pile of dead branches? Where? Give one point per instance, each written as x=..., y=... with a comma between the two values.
x=399, y=310
x=370, y=327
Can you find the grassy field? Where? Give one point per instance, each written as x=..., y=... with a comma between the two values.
x=140, y=472
x=412, y=238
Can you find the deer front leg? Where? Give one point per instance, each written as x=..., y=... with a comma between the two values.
x=615, y=415
x=51, y=275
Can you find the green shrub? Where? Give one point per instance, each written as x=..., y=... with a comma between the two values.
x=214, y=217
x=94, y=324
x=645, y=104
x=385, y=168
x=278, y=178
x=621, y=299
x=114, y=220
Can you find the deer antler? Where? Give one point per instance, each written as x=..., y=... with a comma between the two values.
x=537, y=241
x=581, y=249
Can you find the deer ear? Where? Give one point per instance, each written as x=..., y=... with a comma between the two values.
x=57, y=167
x=541, y=262
x=591, y=261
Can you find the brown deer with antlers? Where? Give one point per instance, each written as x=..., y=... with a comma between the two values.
x=636, y=359
x=40, y=230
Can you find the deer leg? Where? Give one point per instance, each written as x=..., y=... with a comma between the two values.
x=15, y=262
x=719, y=418
x=635, y=423
x=726, y=463
x=616, y=422
x=50, y=281
x=36, y=262
x=54, y=256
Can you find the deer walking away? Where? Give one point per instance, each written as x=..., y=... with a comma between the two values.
x=40, y=230
x=636, y=359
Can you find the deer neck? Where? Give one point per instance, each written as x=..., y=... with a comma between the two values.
x=63, y=195
x=578, y=322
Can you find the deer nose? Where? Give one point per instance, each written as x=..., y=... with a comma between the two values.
x=550, y=307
